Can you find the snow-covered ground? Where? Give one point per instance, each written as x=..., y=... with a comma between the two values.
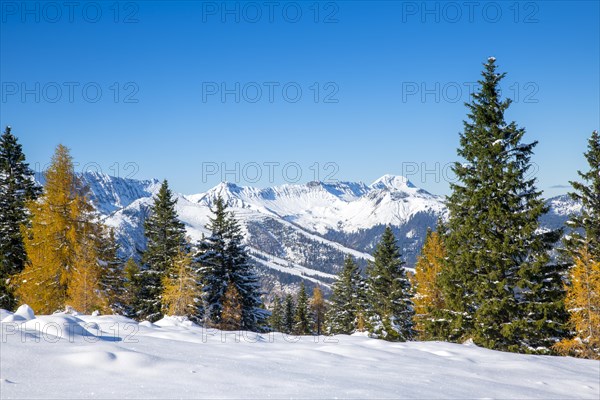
x=81, y=356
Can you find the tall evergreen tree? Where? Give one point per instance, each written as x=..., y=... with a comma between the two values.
x=346, y=301
x=131, y=287
x=495, y=255
x=112, y=278
x=390, y=308
x=542, y=318
x=243, y=277
x=17, y=187
x=276, y=318
x=64, y=245
x=302, y=315
x=165, y=236
x=288, y=314
x=223, y=260
x=212, y=264
x=588, y=194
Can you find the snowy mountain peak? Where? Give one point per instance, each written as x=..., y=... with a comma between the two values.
x=232, y=194
x=294, y=231
x=393, y=183
x=226, y=189
x=112, y=193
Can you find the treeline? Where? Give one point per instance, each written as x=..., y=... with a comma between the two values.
x=56, y=253
x=488, y=273
x=379, y=304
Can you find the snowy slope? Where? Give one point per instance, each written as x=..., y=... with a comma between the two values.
x=561, y=207
x=79, y=357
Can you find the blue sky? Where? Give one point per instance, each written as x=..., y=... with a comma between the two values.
x=148, y=89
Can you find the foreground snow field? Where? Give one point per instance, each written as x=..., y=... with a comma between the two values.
x=82, y=356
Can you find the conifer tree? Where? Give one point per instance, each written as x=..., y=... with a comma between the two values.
x=243, y=277
x=390, y=308
x=542, y=318
x=223, y=260
x=588, y=194
x=317, y=304
x=301, y=316
x=63, y=244
x=491, y=287
x=165, y=236
x=113, y=281
x=231, y=318
x=131, y=287
x=288, y=314
x=181, y=293
x=346, y=301
x=212, y=261
x=583, y=303
x=429, y=299
x=276, y=318
x=17, y=187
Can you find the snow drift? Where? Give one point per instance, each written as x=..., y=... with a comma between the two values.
x=67, y=355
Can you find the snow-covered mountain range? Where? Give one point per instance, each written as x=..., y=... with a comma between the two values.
x=294, y=232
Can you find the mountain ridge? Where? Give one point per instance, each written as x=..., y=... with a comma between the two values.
x=293, y=232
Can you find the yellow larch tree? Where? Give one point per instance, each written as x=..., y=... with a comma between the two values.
x=583, y=303
x=428, y=298
x=61, y=243
x=85, y=292
x=182, y=292
x=317, y=304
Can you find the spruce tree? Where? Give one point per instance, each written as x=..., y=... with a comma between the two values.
x=242, y=275
x=212, y=264
x=346, y=301
x=542, y=318
x=112, y=278
x=586, y=226
x=390, y=308
x=17, y=187
x=288, y=314
x=131, y=287
x=276, y=318
x=165, y=236
x=223, y=260
x=496, y=256
x=429, y=299
x=302, y=314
